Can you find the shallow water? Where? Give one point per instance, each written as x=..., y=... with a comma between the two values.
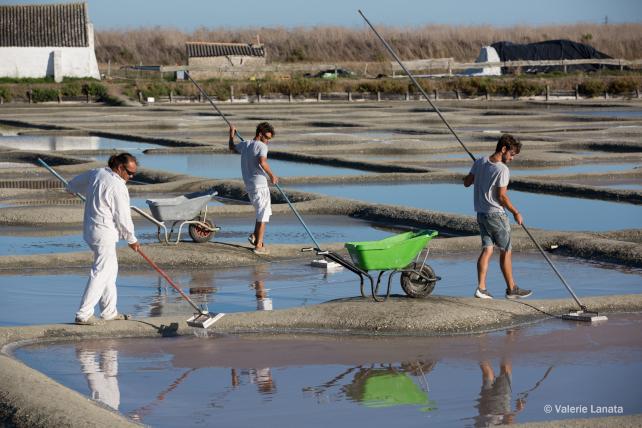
x=539, y=210
x=606, y=113
x=585, y=168
x=214, y=165
x=67, y=143
x=282, y=229
x=521, y=375
x=143, y=293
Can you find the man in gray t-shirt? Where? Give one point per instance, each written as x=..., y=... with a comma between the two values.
x=256, y=170
x=490, y=175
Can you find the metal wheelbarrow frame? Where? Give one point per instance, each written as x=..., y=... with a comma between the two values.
x=393, y=255
x=189, y=209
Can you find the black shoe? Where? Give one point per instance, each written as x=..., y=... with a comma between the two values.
x=517, y=293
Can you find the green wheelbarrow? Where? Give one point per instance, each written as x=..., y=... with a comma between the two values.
x=398, y=254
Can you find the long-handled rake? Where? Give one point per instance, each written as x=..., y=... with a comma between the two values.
x=296, y=213
x=203, y=318
x=583, y=314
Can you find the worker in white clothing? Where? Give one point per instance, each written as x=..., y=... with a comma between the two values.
x=107, y=219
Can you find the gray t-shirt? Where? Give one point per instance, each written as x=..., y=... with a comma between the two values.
x=253, y=175
x=488, y=177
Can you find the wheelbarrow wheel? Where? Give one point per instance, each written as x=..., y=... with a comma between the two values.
x=415, y=285
x=200, y=234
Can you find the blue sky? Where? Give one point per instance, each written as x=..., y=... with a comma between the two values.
x=188, y=15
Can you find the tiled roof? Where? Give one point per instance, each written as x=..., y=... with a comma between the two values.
x=44, y=25
x=203, y=49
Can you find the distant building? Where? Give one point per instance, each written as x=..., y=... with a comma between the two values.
x=220, y=60
x=47, y=40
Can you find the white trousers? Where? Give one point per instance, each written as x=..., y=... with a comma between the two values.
x=102, y=375
x=101, y=285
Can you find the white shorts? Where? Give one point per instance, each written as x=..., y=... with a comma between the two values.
x=260, y=199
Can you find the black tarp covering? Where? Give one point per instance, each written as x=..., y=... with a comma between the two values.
x=549, y=50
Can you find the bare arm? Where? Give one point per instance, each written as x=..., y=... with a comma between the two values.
x=468, y=180
x=231, y=144
x=266, y=167
x=502, y=196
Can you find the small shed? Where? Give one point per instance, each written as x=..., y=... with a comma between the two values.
x=47, y=40
x=219, y=60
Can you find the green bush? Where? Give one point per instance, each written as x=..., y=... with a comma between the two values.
x=622, y=86
x=5, y=94
x=95, y=90
x=592, y=88
x=40, y=95
x=526, y=88
x=72, y=89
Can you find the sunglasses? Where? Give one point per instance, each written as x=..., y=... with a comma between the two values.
x=129, y=173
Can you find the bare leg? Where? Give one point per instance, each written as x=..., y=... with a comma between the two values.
x=506, y=264
x=482, y=266
x=259, y=232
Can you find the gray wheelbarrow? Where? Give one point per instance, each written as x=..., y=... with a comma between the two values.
x=189, y=209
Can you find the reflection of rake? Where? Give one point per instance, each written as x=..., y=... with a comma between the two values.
x=139, y=413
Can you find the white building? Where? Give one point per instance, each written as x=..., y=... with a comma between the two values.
x=47, y=40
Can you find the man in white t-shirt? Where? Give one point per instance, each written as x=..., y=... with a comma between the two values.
x=256, y=170
x=107, y=219
x=490, y=175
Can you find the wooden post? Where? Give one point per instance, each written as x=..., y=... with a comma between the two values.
x=436, y=94
x=350, y=96
x=379, y=96
x=171, y=96
x=548, y=92
x=59, y=97
x=577, y=92
x=231, y=93
x=318, y=96
x=458, y=94
x=30, y=96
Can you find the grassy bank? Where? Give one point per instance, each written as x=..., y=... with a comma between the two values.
x=113, y=92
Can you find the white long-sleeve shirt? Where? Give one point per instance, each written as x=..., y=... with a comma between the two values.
x=107, y=215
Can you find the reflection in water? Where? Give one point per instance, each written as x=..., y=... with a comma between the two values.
x=261, y=377
x=384, y=385
x=101, y=371
x=66, y=143
x=392, y=386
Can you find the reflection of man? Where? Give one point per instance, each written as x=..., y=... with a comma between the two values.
x=263, y=302
x=261, y=377
x=102, y=375
x=494, y=402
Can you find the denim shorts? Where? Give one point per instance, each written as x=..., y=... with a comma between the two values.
x=494, y=229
